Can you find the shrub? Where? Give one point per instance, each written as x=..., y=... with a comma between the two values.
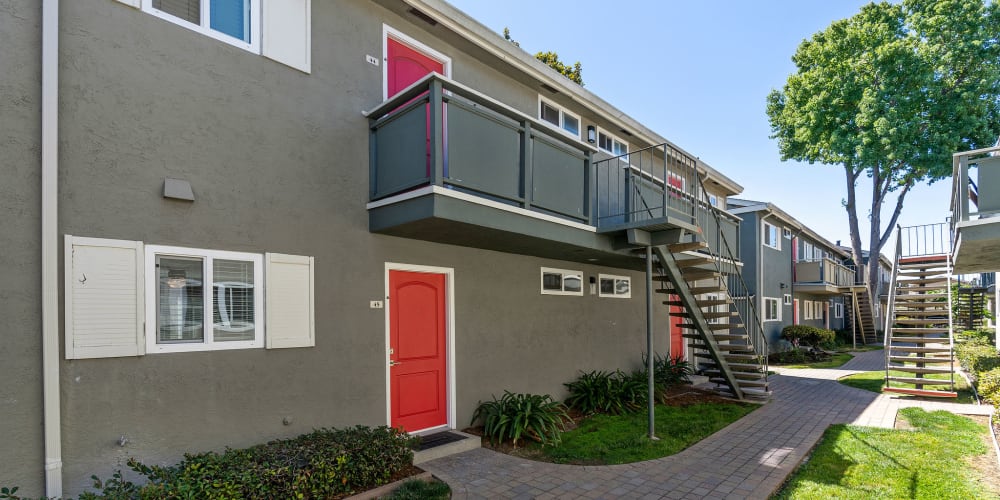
x=976, y=358
x=669, y=371
x=989, y=386
x=323, y=463
x=811, y=335
x=980, y=336
x=607, y=392
x=518, y=415
x=416, y=489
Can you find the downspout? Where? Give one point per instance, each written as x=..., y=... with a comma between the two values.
x=50, y=249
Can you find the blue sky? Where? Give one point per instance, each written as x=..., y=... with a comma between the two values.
x=698, y=74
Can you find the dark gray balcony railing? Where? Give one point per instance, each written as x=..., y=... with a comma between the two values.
x=824, y=271
x=438, y=132
x=926, y=239
x=983, y=195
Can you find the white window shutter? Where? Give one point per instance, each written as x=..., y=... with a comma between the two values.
x=289, y=308
x=104, y=298
x=287, y=32
x=131, y=3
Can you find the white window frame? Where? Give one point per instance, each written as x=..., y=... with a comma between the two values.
x=807, y=310
x=787, y=299
x=712, y=199
x=614, y=138
x=765, y=232
x=777, y=309
x=807, y=251
x=563, y=112
x=787, y=233
x=614, y=293
x=838, y=310
x=207, y=256
x=564, y=273
x=204, y=28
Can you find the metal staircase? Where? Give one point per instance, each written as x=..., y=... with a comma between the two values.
x=919, y=342
x=863, y=316
x=659, y=192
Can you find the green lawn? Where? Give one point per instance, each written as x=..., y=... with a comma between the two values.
x=860, y=348
x=874, y=381
x=606, y=439
x=863, y=462
x=838, y=359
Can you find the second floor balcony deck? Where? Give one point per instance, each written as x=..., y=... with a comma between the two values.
x=451, y=165
x=975, y=211
x=823, y=277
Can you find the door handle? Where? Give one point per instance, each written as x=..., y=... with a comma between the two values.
x=393, y=362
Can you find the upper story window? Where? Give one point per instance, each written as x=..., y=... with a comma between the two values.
x=561, y=282
x=559, y=117
x=233, y=21
x=611, y=144
x=615, y=286
x=770, y=236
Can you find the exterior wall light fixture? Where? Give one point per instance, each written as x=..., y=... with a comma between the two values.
x=591, y=134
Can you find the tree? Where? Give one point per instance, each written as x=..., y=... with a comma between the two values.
x=891, y=93
x=573, y=72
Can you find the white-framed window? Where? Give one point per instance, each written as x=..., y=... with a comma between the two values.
x=124, y=298
x=807, y=310
x=559, y=117
x=236, y=22
x=772, y=309
x=713, y=200
x=611, y=144
x=770, y=236
x=203, y=299
x=787, y=299
x=614, y=286
x=277, y=29
x=807, y=251
x=838, y=310
x=787, y=233
x=561, y=281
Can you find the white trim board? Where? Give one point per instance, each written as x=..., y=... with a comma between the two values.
x=449, y=274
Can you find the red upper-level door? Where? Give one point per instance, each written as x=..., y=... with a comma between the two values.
x=405, y=65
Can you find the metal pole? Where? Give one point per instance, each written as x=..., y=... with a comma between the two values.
x=649, y=341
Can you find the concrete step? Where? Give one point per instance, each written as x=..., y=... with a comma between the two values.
x=451, y=442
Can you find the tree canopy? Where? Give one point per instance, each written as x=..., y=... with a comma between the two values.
x=892, y=92
x=572, y=71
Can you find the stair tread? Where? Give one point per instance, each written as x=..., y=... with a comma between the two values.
x=696, y=261
x=918, y=369
x=701, y=303
x=716, y=336
x=698, y=274
x=706, y=314
x=922, y=392
x=685, y=247
x=741, y=383
x=925, y=360
x=713, y=326
x=921, y=340
x=919, y=381
x=726, y=347
x=695, y=290
x=919, y=330
x=918, y=349
x=924, y=321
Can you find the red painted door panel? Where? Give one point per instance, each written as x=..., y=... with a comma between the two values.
x=676, y=341
x=405, y=65
x=418, y=356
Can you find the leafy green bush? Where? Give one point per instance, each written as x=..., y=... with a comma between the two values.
x=669, y=371
x=608, y=392
x=982, y=336
x=811, y=335
x=976, y=358
x=522, y=415
x=323, y=463
x=989, y=386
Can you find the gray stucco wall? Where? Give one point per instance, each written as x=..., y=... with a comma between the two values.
x=21, y=454
x=279, y=163
x=776, y=270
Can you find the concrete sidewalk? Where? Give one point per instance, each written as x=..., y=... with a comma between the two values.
x=748, y=459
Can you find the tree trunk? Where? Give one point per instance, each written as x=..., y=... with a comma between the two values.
x=852, y=222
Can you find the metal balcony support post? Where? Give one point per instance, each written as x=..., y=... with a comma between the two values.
x=527, y=175
x=436, y=133
x=666, y=182
x=649, y=342
x=591, y=203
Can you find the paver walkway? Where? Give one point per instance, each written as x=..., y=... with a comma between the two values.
x=748, y=459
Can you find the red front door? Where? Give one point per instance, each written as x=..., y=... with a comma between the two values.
x=418, y=350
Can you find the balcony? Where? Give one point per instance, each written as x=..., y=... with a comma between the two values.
x=975, y=211
x=823, y=277
x=451, y=165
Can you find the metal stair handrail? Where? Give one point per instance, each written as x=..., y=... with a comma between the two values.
x=754, y=328
x=890, y=308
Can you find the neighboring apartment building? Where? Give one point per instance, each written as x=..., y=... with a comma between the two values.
x=796, y=276
x=254, y=218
